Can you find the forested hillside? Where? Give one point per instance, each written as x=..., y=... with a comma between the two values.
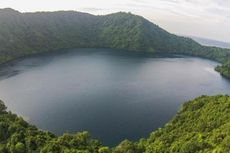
x=202, y=125
x=29, y=33
x=224, y=69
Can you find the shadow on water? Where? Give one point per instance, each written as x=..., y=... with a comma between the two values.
x=17, y=66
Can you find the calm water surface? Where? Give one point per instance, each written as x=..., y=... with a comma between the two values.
x=112, y=94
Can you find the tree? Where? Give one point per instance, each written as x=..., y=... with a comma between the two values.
x=20, y=148
x=2, y=107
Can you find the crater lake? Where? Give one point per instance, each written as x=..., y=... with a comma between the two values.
x=113, y=94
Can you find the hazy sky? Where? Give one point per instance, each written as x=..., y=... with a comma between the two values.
x=205, y=18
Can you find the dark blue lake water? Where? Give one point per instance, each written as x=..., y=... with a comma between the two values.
x=112, y=94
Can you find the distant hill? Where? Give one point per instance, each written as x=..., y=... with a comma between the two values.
x=23, y=34
x=211, y=42
x=28, y=33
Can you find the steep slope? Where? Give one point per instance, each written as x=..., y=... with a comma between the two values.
x=202, y=125
x=224, y=69
x=122, y=31
x=132, y=32
x=24, y=34
x=29, y=33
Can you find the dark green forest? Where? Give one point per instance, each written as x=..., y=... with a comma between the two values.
x=224, y=69
x=23, y=34
x=201, y=125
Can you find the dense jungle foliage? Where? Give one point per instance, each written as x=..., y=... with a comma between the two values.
x=202, y=125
